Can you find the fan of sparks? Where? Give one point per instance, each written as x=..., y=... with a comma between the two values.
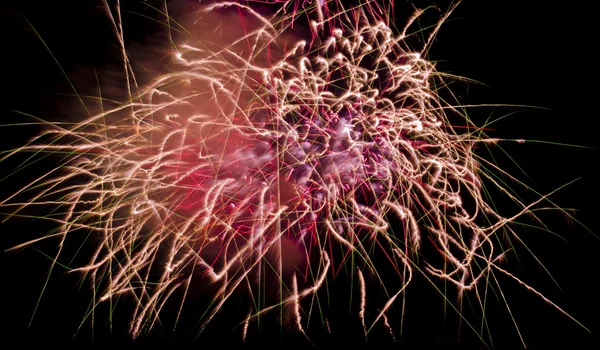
x=260, y=155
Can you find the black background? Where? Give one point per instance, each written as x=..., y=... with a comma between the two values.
x=526, y=52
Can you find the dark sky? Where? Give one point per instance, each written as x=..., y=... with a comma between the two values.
x=538, y=54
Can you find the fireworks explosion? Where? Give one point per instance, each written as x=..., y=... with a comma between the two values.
x=263, y=164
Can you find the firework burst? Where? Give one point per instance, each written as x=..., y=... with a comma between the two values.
x=261, y=164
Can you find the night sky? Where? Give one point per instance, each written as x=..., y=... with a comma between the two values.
x=538, y=54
